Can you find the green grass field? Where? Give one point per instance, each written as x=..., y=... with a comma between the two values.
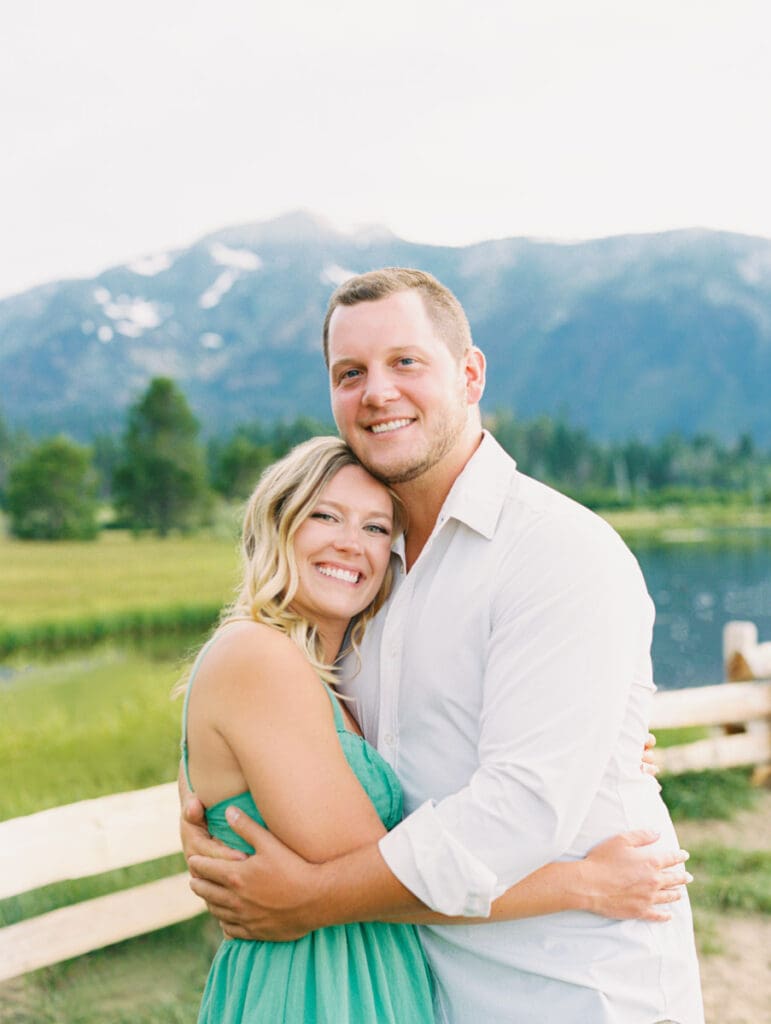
x=54, y=582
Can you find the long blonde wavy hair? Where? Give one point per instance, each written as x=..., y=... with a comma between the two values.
x=284, y=497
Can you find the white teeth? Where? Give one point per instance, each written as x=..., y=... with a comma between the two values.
x=339, y=574
x=381, y=428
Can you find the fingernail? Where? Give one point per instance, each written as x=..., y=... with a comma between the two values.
x=232, y=815
x=684, y=854
x=688, y=876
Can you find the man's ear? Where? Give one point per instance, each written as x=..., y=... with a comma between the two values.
x=474, y=367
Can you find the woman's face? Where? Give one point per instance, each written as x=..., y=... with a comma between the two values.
x=342, y=551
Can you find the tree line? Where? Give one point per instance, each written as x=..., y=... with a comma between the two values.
x=160, y=476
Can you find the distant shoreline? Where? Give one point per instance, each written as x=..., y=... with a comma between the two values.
x=695, y=524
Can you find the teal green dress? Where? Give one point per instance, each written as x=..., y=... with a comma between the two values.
x=369, y=973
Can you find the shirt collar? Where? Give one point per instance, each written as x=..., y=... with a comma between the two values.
x=477, y=496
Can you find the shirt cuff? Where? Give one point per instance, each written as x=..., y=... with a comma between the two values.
x=439, y=870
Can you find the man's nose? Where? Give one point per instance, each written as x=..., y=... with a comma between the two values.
x=379, y=388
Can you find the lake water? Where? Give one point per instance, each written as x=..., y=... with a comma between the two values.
x=697, y=588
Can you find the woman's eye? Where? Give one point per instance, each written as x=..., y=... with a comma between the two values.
x=325, y=516
x=377, y=528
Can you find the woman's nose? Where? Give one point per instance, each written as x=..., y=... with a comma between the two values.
x=347, y=537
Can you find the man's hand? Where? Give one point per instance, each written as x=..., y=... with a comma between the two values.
x=193, y=833
x=195, y=837
x=625, y=879
x=271, y=895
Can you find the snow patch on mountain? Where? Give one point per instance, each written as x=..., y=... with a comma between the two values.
x=237, y=259
x=132, y=316
x=211, y=297
x=149, y=266
x=335, y=275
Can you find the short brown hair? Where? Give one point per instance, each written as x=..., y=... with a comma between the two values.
x=444, y=310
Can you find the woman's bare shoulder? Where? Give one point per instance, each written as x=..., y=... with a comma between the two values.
x=246, y=652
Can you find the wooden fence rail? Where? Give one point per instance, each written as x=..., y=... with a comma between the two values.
x=94, y=836
x=80, y=840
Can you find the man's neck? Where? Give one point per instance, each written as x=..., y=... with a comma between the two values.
x=424, y=497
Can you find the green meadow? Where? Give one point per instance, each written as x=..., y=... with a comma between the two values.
x=70, y=580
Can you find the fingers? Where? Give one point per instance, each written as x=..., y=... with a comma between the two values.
x=674, y=880
x=656, y=915
x=215, y=869
x=220, y=901
x=641, y=837
x=650, y=741
x=205, y=846
x=246, y=827
x=667, y=896
x=671, y=858
x=193, y=811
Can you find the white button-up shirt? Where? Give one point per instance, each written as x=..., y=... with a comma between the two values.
x=508, y=682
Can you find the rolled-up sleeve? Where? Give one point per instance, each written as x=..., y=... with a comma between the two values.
x=567, y=634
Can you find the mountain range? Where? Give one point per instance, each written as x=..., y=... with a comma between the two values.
x=636, y=335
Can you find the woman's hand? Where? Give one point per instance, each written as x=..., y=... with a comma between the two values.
x=648, y=763
x=624, y=878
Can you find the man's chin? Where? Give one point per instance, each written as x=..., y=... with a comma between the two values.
x=393, y=471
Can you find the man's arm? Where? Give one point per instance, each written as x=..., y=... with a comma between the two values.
x=277, y=896
x=564, y=665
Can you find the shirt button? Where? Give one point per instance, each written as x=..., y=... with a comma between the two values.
x=389, y=739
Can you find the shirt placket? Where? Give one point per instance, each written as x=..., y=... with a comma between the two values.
x=391, y=653
x=391, y=648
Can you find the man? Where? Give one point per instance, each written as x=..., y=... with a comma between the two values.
x=507, y=681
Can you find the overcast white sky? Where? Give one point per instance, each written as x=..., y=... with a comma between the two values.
x=128, y=128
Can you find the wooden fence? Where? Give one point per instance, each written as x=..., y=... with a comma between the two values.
x=78, y=841
x=93, y=836
x=739, y=711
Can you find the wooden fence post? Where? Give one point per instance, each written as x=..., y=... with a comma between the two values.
x=744, y=660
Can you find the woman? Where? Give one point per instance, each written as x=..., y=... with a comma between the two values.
x=263, y=729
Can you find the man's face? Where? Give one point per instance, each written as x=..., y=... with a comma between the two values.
x=399, y=397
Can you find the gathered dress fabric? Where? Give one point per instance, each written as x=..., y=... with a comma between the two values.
x=365, y=973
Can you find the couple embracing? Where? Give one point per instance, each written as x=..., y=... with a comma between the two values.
x=471, y=860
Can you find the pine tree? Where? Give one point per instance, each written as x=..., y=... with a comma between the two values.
x=160, y=481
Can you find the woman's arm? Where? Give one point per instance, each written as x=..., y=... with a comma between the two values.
x=260, y=719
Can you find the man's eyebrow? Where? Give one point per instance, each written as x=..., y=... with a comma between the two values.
x=394, y=350
x=346, y=361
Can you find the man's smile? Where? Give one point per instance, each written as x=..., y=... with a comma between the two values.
x=388, y=426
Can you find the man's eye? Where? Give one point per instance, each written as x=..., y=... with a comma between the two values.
x=407, y=361
x=349, y=374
